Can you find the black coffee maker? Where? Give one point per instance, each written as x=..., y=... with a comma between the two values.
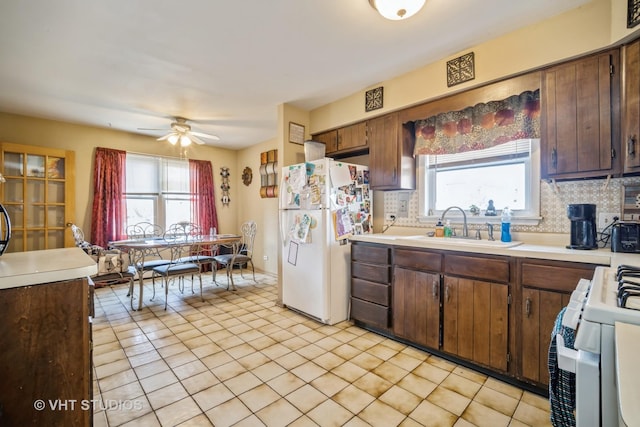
x=583, y=226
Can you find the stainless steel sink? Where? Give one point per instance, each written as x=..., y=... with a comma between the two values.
x=454, y=241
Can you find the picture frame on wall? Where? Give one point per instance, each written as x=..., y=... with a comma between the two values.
x=296, y=133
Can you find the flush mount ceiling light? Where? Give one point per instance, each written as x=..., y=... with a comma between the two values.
x=397, y=9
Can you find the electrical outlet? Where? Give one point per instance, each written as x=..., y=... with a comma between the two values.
x=403, y=205
x=390, y=216
x=605, y=219
x=265, y=257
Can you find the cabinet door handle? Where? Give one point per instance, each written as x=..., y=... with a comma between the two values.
x=395, y=174
x=527, y=307
x=434, y=289
x=446, y=293
x=554, y=158
x=631, y=146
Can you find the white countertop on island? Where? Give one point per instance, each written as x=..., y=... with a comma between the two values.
x=51, y=265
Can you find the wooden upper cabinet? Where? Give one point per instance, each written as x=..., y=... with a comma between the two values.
x=352, y=137
x=631, y=112
x=580, y=117
x=330, y=140
x=347, y=140
x=391, y=162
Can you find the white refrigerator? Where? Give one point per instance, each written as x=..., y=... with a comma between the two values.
x=322, y=204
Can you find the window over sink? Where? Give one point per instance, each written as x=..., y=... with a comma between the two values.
x=508, y=174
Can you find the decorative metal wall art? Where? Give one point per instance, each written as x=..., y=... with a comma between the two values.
x=633, y=13
x=268, y=174
x=225, y=186
x=461, y=69
x=373, y=99
x=247, y=176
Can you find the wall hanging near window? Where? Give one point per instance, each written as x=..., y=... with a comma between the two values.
x=481, y=126
x=225, y=186
x=461, y=69
x=268, y=174
x=247, y=176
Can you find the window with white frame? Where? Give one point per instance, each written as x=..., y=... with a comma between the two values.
x=508, y=174
x=157, y=190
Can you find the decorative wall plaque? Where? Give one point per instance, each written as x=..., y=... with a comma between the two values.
x=633, y=13
x=373, y=99
x=460, y=69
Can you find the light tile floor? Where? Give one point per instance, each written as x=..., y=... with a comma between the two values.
x=237, y=359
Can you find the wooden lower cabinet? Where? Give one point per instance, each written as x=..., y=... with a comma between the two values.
x=46, y=355
x=539, y=311
x=475, y=321
x=370, y=285
x=545, y=288
x=416, y=306
x=460, y=304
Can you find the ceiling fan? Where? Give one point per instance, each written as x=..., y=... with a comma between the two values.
x=181, y=132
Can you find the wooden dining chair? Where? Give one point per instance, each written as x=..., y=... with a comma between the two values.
x=244, y=253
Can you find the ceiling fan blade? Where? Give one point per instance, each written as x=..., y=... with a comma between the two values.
x=165, y=137
x=205, y=135
x=164, y=129
x=196, y=139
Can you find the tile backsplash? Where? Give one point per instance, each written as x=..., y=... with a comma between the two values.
x=554, y=198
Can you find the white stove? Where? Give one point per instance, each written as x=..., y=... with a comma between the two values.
x=593, y=311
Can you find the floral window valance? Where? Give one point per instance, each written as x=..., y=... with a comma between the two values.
x=481, y=126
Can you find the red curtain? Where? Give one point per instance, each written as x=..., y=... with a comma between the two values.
x=203, y=206
x=109, y=211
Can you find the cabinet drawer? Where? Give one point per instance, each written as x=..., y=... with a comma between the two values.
x=555, y=277
x=375, y=254
x=375, y=273
x=489, y=269
x=370, y=291
x=370, y=313
x=429, y=261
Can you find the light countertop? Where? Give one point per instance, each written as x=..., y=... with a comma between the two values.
x=50, y=265
x=552, y=251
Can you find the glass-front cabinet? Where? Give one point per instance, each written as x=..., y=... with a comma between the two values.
x=38, y=195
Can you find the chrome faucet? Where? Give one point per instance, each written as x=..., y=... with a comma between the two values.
x=490, y=231
x=465, y=229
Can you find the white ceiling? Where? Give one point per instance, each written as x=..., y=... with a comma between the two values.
x=227, y=65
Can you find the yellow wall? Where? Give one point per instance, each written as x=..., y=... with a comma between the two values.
x=263, y=211
x=594, y=26
x=84, y=139
x=591, y=27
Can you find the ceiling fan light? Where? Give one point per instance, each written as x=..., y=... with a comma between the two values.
x=173, y=139
x=185, y=140
x=397, y=9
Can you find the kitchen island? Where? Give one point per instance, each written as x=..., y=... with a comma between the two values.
x=46, y=301
x=485, y=304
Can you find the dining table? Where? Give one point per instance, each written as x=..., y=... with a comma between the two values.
x=140, y=248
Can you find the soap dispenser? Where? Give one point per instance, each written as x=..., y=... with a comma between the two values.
x=505, y=234
x=439, y=229
x=447, y=229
